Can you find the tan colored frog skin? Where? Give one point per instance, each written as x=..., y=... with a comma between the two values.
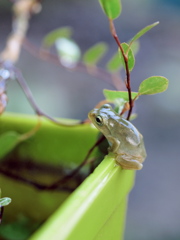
x=124, y=139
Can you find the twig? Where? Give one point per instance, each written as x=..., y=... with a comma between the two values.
x=37, y=185
x=45, y=55
x=125, y=57
x=1, y=213
x=27, y=91
x=76, y=170
x=22, y=10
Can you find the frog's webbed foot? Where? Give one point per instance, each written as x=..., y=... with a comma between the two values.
x=129, y=162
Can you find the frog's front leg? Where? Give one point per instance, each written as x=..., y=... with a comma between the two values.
x=129, y=162
x=114, y=144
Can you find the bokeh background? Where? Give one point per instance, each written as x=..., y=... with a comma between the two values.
x=154, y=203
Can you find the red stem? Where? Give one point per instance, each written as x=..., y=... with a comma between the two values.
x=128, y=80
x=63, y=180
x=80, y=67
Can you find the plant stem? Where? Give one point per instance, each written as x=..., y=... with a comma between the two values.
x=125, y=57
x=22, y=11
x=20, y=79
x=37, y=185
x=65, y=179
x=45, y=55
x=1, y=213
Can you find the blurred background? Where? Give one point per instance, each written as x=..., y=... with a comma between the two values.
x=154, y=203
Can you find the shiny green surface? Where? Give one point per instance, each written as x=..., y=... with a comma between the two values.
x=96, y=210
x=52, y=143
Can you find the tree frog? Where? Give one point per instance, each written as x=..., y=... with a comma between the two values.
x=124, y=139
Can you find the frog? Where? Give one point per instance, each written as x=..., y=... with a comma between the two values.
x=125, y=141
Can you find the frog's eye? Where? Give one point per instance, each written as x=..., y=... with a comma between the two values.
x=99, y=120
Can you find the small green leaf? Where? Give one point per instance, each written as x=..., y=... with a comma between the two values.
x=8, y=141
x=68, y=51
x=51, y=37
x=111, y=95
x=5, y=201
x=153, y=85
x=133, y=116
x=142, y=32
x=119, y=104
x=135, y=46
x=131, y=59
x=112, y=8
x=95, y=53
x=117, y=61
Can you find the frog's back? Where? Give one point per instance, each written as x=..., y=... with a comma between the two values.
x=133, y=142
x=130, y=133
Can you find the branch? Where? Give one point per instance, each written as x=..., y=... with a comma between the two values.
x=22, y=10
x=1, y=213
x=76, y=170
x=128, y=81
x=37, y=185
x=97, y=72
x=29, y=96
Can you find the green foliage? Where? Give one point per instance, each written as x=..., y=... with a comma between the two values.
x=117, y=61
x=135, y=46
x=153, y=85
x=111, y=95
x=114, y=64
x=50, y=38
x=129, y=54
x=5, y=201
x=8, y=142
x=19, y=229
x=95, y=53
x=133, y=116
x=112, y=8
x=125, y=57
x=149, y=86
x=142, y=32
x=68, y=51
x=69, y=54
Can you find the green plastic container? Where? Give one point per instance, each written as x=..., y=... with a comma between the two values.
x=95, y=210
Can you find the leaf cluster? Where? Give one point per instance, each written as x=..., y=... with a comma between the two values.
x=70, y=54
x=151, y=85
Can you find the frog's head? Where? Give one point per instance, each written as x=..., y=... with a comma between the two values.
x=100, y=118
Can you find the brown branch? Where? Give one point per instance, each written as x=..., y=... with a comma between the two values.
x=37, y=185
x=22, y=10
x=29, y=96
x=1, y=213
x=65, y=179
x=97, y=72
x=125, y=57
